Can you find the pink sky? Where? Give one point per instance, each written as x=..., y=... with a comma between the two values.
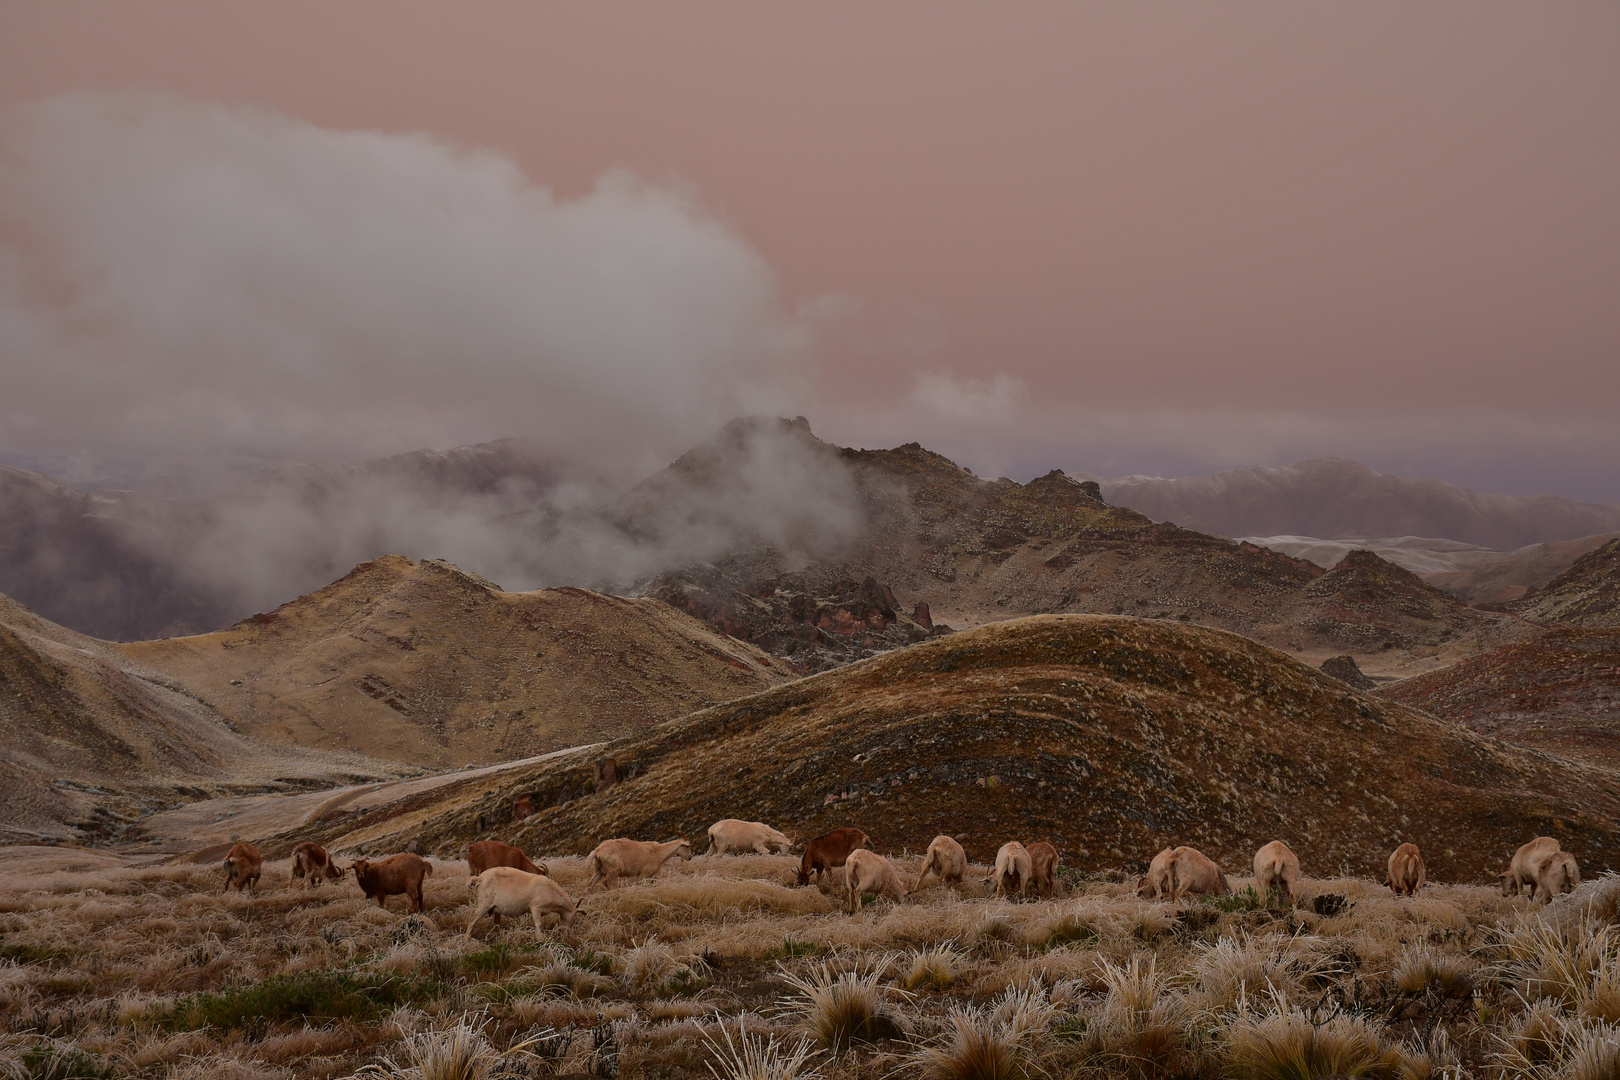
x=1112, y=237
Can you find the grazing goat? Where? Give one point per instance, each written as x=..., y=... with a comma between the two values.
x=1012, y=870
x=242, y=866
x=1193, y=872
x=1557, y=876
x=868, y=872
x=505, y=890
x=731, y=836
x=613, y=859
x=487, y=853
x=1155, y=884
x=828, y=851
x=1277, y=867
x=1526, y=865
x=1406, y=871
x=393, y=876
x=1180, y=871
x=1043, y=863
x=946, y=862
x=312, y=861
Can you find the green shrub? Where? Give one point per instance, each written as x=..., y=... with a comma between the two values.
x=51, y=1061
x=1247, y=900
x=303, y=997
x=791, y=949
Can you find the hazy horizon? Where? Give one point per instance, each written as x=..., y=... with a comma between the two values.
x=1108, y=240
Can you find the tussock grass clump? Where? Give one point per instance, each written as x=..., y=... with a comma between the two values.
x=758, y=1057
x=1141, y=1028
x=1149, y=922
x=1546, y=1044
x=41, y=1058
x=1288, y=1044
x=459, y=1052
x=556, y=979
x=838, y=1009
x=933, y=969
x=1423, y=967
x=1007, y=1041
x=1573, y=963
x=1241, y=968
x=654, y=967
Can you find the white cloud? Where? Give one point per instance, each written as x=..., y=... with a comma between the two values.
x=180, y=277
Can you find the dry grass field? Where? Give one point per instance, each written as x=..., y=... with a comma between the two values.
x=721, y=967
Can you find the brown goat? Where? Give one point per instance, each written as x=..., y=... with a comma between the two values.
x=487, y=853
x=1406, y=871
x=828, y=851
x=242, y=866
x=312, y=862
x=393, y=876
x=1043, y=864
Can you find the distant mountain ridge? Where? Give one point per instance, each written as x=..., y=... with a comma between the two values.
x=135, y=565
x=1334, y=498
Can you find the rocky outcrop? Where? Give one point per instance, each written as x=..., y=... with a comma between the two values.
x=1345, y=669
x=815, y=627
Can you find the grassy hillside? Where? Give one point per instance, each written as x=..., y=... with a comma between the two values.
x=424, y=663
x=90, y=741
x=1559, y=691
x=1111, y=736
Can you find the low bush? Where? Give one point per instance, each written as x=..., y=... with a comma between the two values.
x=313, y=995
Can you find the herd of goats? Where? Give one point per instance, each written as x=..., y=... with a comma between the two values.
x=504, y=881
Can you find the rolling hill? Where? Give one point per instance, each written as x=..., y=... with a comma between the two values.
x=421, y=662
x=1558, y=691
x=90, y=740
x=1587, y=594
x=1113, y=736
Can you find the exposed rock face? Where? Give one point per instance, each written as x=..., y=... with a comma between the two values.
x=1344, y=669
x=845, y=621
x=1558, y=691
x=1587, y=594
x=1113, y=736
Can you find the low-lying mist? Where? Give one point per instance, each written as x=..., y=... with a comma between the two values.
x=186, y=285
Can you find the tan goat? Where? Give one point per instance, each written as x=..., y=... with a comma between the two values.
x=945, y=862
x=732, y=836
x=868, y=872
x=1277, y=867
x=1557, y=876
x=1012, y=870
x=1521, y=872
x=1406, y=871
x=505, y=890
x=1155, y=884
x=613, y=859
x=1193, y=872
